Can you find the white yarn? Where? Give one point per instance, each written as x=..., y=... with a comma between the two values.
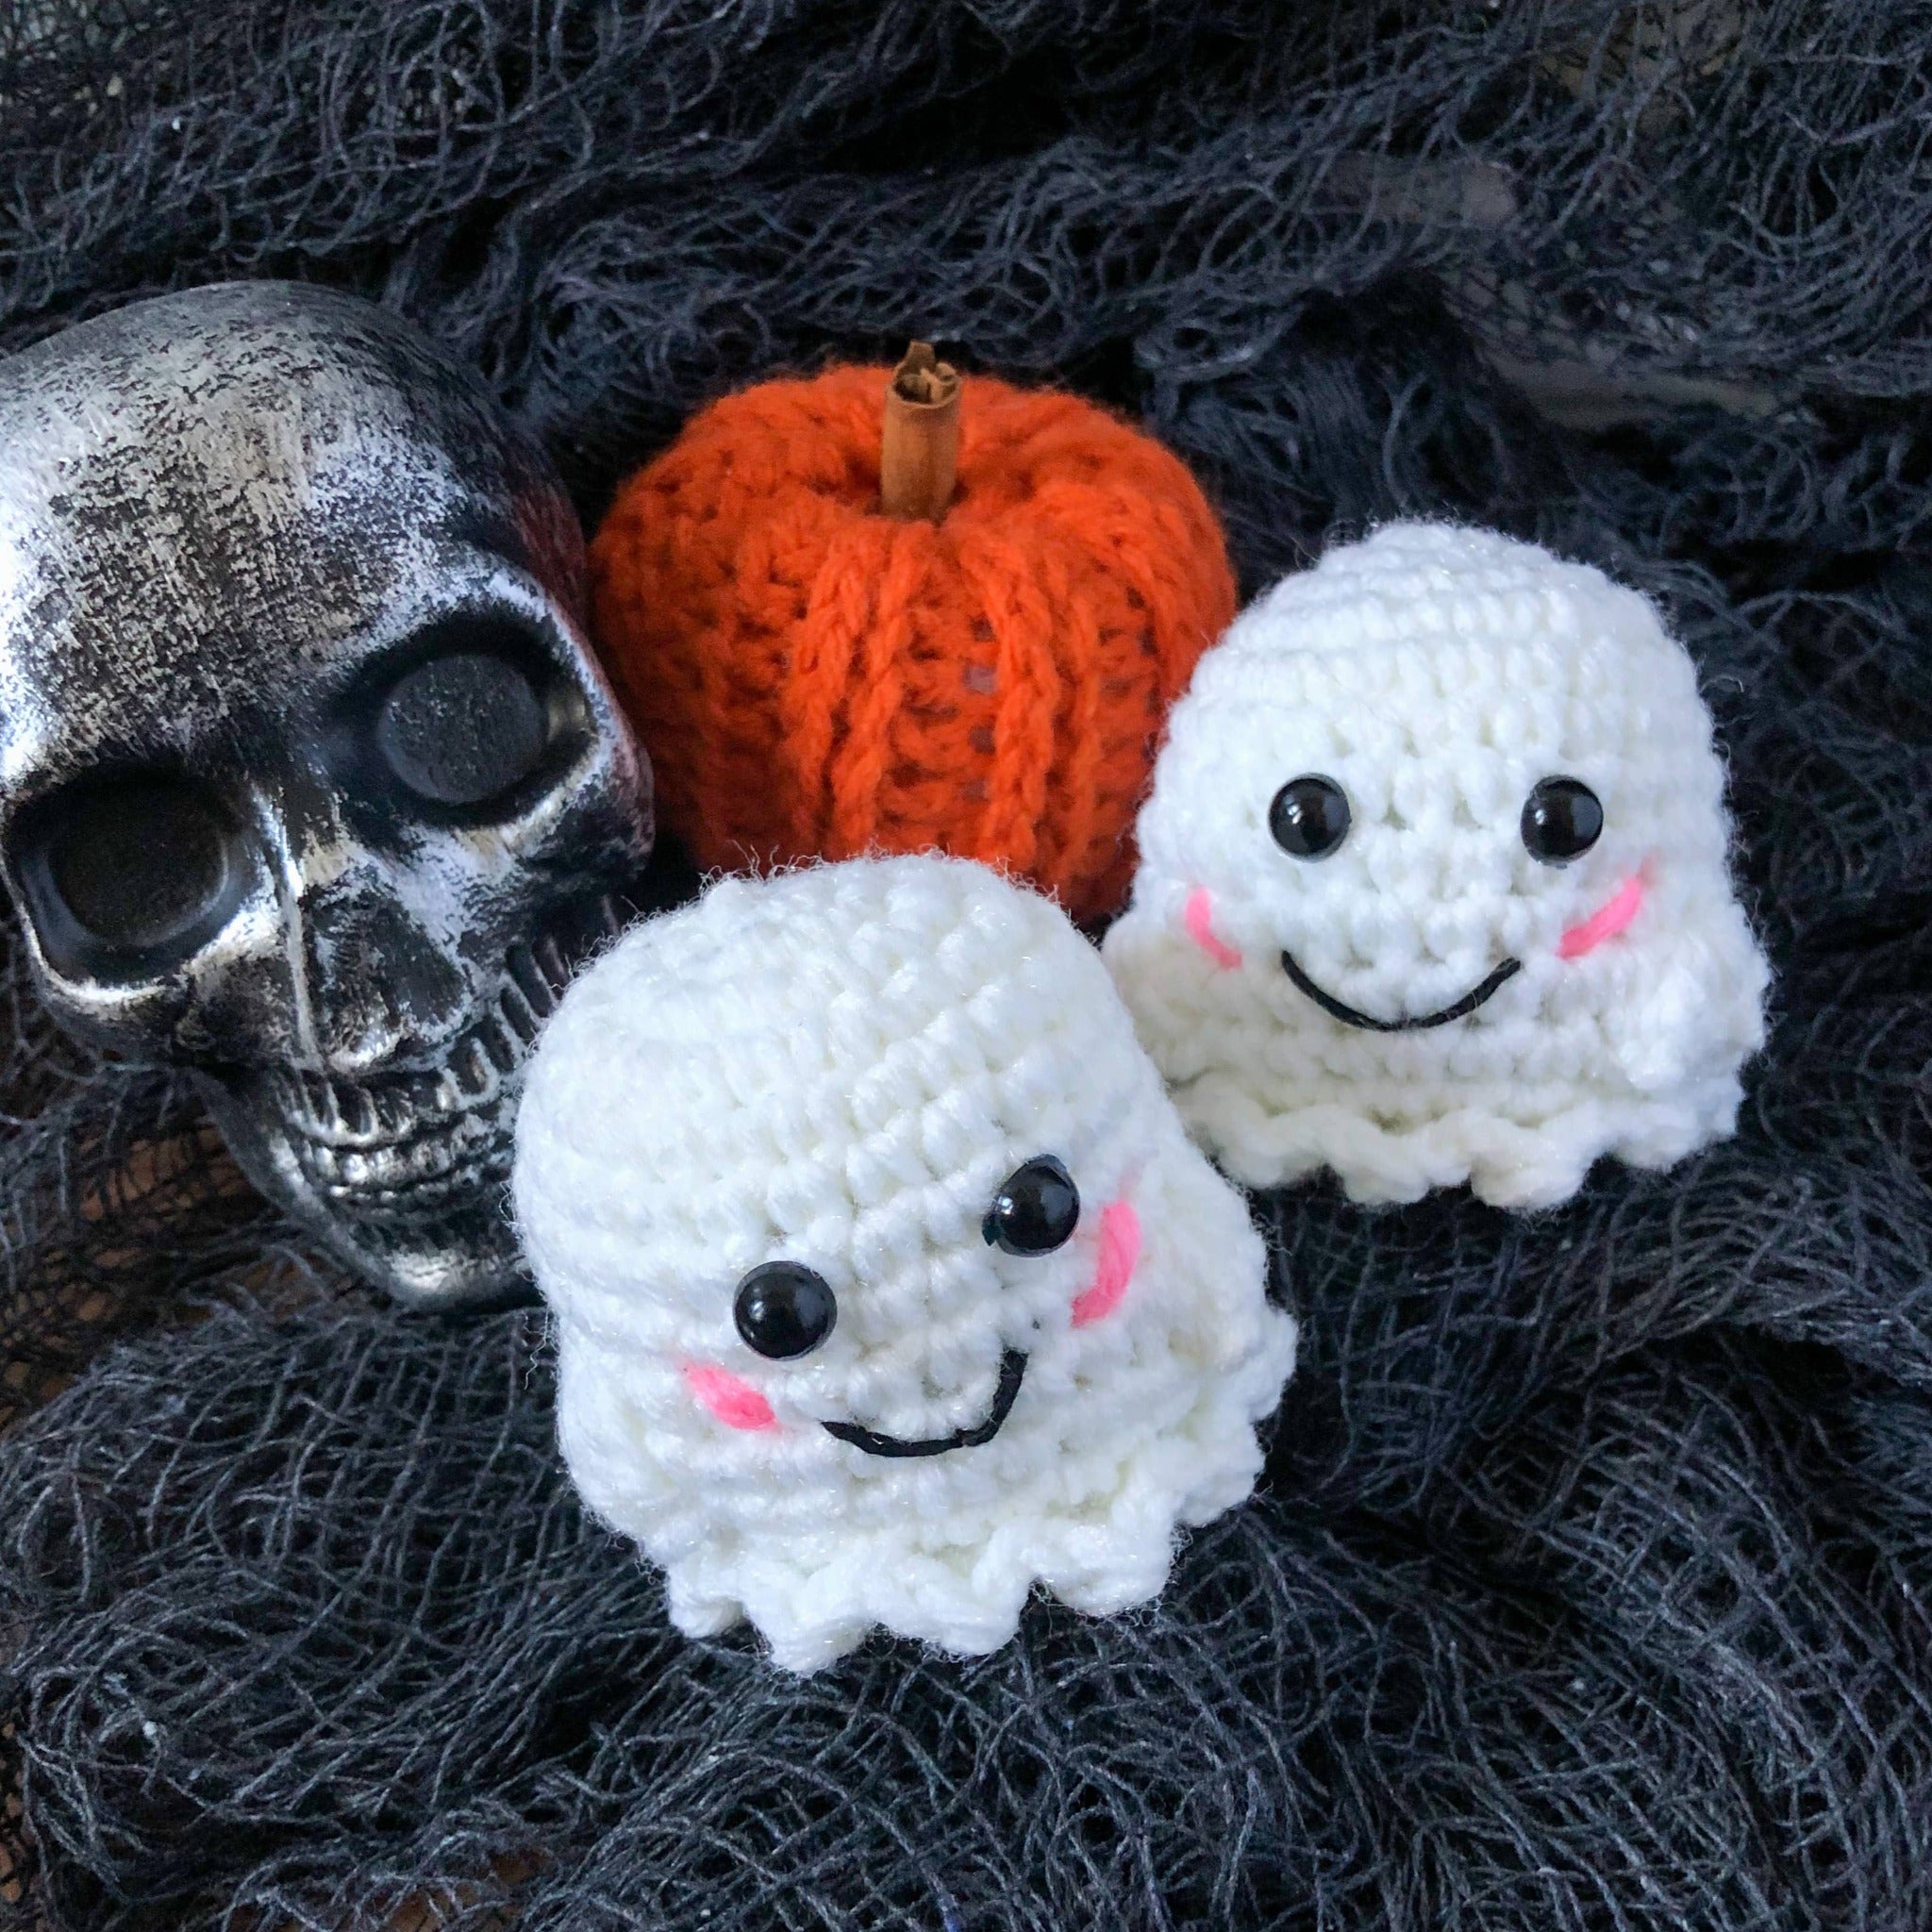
x=839, y=1067
x=1437, y=674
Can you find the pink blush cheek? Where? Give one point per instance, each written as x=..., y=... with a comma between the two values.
x=1198, y=917
x=1113, y=1268
x=1609, y=920
x=736, y=1404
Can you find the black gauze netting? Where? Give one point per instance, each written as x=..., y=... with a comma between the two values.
x=1588, y=1584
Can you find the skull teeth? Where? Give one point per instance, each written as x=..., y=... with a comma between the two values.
x=476, y=1143
x=341, y=1113
x=402, y=1132
x=523, y=1019
x=470, y=1065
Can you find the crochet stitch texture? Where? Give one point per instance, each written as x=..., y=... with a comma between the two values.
x=839, y=1067
x=814, y=680
x=1438, y=674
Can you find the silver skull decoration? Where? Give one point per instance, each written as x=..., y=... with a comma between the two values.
x=307, y=780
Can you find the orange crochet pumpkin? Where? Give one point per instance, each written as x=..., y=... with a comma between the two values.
x=814, y=677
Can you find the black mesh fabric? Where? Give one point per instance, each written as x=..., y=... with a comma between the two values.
x=1589, y=1585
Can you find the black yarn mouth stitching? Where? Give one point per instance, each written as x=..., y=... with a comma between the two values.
x=1442, y=1017
x=1013, y=1371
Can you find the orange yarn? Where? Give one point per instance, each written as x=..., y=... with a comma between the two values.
x=813, y=678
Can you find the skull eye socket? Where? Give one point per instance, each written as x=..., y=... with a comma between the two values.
x=135, y=865
x=462, y=728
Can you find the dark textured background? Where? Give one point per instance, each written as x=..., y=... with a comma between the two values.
x=1590, y=1584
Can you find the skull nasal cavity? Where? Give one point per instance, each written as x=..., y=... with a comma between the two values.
x=378, y=984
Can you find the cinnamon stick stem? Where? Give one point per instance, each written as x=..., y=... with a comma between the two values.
x=919, y=453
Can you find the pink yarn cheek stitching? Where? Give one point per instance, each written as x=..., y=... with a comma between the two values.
x=1607, y=922
x=736, y=1404
x=1113, y=1267
x=1198, y=917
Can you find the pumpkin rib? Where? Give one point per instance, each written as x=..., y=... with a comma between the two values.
x=811, y=678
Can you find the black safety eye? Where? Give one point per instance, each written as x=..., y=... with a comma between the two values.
x=784, y=1309
x=463, y=727
x=1036, y=1210
x=1561, y=820
x=123, y=871
x=1309, y=816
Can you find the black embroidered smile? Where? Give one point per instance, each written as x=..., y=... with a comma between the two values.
x=1442, y=1017
x=1012, y=1370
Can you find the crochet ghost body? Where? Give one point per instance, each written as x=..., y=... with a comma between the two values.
x=1433, y=884
x=789, y=1176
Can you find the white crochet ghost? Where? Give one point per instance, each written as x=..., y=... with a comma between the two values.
x=886, y=1280
x=1433, y=884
